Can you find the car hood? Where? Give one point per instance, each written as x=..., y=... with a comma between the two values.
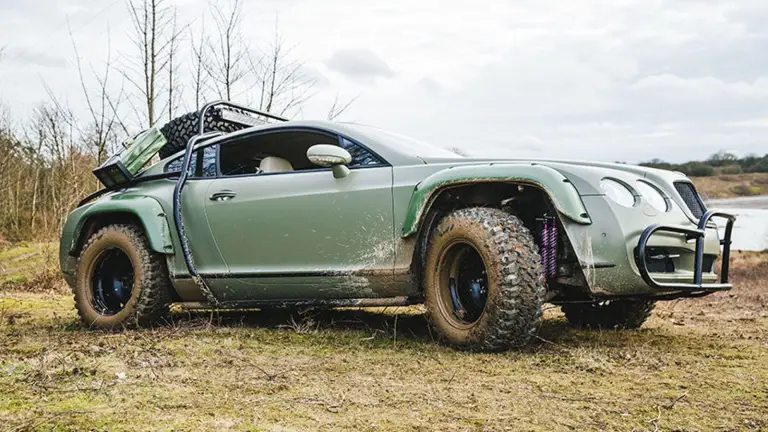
x=585, y=175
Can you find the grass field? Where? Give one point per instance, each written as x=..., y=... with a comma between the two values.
x=696, y=365
x=732, y=185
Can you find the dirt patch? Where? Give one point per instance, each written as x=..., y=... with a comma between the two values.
x=696, y=365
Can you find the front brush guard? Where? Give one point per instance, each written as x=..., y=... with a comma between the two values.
x=697, y=287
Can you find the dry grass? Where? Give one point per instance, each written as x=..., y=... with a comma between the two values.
x=732, y=185
x=696, y=365
x=31, y=267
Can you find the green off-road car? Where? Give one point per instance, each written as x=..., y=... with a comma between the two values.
x=249, y=210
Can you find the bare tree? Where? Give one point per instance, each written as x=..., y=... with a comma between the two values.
x=226, y=67
x=199, y=61
x=338, y=107
x=151, y=20
x=280, y=81
x=174, y=89
x=102, y=108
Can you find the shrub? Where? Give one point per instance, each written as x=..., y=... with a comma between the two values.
x=698, y=169
x=760, y=167
x=732, y=169
x=746, y=190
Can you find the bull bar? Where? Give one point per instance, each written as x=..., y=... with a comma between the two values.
x=697, y=287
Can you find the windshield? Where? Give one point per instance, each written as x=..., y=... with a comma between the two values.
x=403, y=143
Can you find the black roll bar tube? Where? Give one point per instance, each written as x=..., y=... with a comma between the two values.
x=178, y=220
x=210, y=105
x=183, y=174
x=725, y=242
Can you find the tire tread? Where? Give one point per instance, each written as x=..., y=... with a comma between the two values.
x=515, y=319
x=153, y=301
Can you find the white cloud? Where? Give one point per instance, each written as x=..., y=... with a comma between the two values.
x=701, y=88
x=603, y=79
x=359, y=65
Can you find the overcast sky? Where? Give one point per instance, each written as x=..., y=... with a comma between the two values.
x=625, y=80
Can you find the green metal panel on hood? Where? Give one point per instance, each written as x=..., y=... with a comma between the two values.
x=586, y=176
x=147, y=209
x=563, y=194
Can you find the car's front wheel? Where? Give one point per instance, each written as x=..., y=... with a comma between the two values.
x=483, y=281
x=120, y=281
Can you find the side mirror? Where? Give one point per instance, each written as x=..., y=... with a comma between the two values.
x=326, y=155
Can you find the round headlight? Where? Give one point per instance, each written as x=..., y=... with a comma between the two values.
x=617, y=192
x=652, y=196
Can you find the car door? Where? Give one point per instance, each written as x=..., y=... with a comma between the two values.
x=304, y=234
x=202, y=173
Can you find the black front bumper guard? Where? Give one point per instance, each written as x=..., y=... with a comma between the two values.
x=697, y=288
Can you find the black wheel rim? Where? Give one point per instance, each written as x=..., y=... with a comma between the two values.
x=111, y=281
x=466, y=281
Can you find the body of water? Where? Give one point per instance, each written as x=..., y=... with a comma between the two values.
x=750, y=232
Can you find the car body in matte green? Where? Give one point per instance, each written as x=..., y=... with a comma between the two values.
x=265, y=226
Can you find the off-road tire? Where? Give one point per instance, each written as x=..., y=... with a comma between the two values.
x=614, y=314
x=151, y=294
x=515, y=279
x=180, y=130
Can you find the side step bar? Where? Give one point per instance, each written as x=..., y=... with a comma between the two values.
x=292, y=303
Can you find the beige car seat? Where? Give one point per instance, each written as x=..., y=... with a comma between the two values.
x=274, y=164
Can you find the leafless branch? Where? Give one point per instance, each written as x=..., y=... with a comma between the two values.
x=225, y=66
x=338, y=107
x=199, y=60
x=675, y=401
x=102, y=108
x=280, y=81
x=173, y=86
x=151, y=21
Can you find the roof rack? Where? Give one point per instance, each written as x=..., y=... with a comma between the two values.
x=120, y=169
x=236, y=114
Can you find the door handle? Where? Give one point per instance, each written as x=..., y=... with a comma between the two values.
x=222, y=195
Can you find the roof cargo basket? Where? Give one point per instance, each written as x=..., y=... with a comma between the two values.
x=121, y=168
x=237, y=114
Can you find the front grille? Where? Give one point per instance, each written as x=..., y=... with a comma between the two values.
x=691, y=198
x=659, y=260
x=709, y=263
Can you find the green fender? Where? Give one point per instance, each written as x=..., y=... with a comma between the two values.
x=146, y=209
x=563, y=194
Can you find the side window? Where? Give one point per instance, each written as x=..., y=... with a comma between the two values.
x=175, y=164
x=282, y=152
x=240, y=158
x=206, y=167
x=360, y=156
x=271, y=153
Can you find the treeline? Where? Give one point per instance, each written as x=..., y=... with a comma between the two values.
x=44, y=171
x=719, y=163
x=46, y=158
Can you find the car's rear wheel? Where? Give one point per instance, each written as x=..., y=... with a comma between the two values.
x=483, y=282
x=120, y=280
x=609, y=314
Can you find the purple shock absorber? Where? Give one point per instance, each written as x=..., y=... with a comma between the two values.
x=545, y=246
x=552, y=233
x=549, y=246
